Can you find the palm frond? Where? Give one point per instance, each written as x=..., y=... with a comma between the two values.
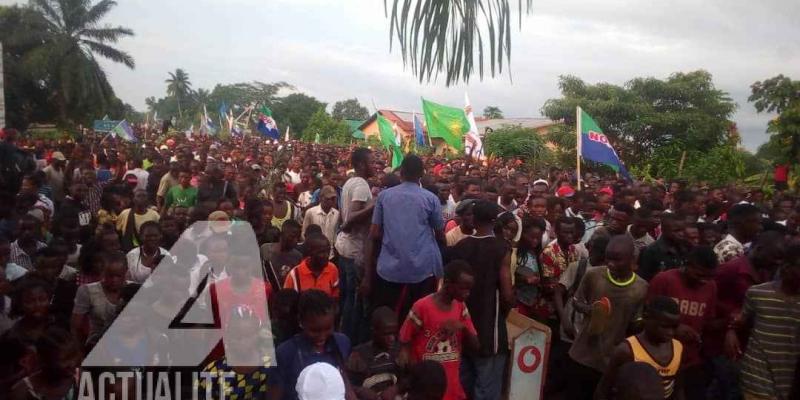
x=50, y=11
x=448, y=36
x=110, y=53
x=97, y=12
x=106, y=34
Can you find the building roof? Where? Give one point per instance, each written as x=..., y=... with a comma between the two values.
x=403, y=119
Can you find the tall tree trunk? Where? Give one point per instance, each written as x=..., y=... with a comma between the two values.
x=180, y=113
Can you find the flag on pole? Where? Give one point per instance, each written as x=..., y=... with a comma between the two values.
x=418, y=133
x=223, y=110
x=474, y=144
x=286, y=137
x=594, y=145
x=448, y=123
x=267, y=125
x=389, y=140
x=207, y=125
x=124, y=131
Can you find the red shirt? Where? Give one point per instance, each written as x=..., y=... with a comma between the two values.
x=226, y=298
x=733, y=279
x=697, y=305
x=422, y=329
x=781, y=173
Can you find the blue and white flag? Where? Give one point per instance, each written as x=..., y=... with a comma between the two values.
x=418, y=133
x=266, y=125
x=124, y=131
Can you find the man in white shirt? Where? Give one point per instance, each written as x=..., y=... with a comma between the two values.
x=324, y=215
x=292, y=174
x=356, y=209
x=141, y=174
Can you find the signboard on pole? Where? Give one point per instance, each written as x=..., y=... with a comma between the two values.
x=530, y=350
x=2, y=92
x=104, y=125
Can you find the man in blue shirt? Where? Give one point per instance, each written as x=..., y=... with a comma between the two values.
x=406, y=232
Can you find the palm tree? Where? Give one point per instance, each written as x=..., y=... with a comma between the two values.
x=67, y=57
x=444, y=35
x=178, y=85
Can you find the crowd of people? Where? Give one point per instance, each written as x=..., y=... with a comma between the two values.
x=390, y=284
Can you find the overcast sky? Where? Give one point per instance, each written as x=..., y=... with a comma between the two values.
x=338, y=49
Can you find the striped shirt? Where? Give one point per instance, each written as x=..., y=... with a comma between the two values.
x=768, y=365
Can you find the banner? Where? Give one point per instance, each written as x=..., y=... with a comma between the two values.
x=104, y=125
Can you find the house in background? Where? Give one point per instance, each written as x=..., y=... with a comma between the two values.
x=402, y=121
x=540, y=125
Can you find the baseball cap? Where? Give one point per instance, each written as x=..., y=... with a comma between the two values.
x=57, y=155
x=606, y=190
x=542, y=181
x=463, y=206
x=320, y=381
x=565, y=191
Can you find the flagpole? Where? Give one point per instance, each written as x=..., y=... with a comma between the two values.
x=578, y=144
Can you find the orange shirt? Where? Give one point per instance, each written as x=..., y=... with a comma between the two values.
x=301, y=278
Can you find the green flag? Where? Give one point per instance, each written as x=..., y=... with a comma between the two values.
x=448, y=123
x=389, y=141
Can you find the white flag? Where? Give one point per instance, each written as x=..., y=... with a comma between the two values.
x=473, y=143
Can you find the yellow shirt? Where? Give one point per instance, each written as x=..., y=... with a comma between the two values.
x=667, y=372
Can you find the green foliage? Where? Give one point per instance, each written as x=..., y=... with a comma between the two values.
x=330, y=130
x=517, y=142
x=51, y=50
x=492, y=112
x=349, y=109
x=295, y=110
x=780, y=94
x=719, y=165
x=179, y=87
x=647, y=114
x=451, y=36
x=565, y=142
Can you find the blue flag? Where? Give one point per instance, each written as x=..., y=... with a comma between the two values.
x=595, y=146
x=418, y=132
x=266, y=125
x=223, y=110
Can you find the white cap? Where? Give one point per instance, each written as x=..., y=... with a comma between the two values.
x=538, y=181
x=320, y=381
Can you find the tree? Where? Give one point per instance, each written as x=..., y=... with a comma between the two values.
x=349, y=109
x=517, y=142
x=449, y=36
x=330, y=130
x=178, y=86
x=781, y=95
x=648, y=113
x=295, y=110
x=244, y=94
x=492, y=112
x=58, y=44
